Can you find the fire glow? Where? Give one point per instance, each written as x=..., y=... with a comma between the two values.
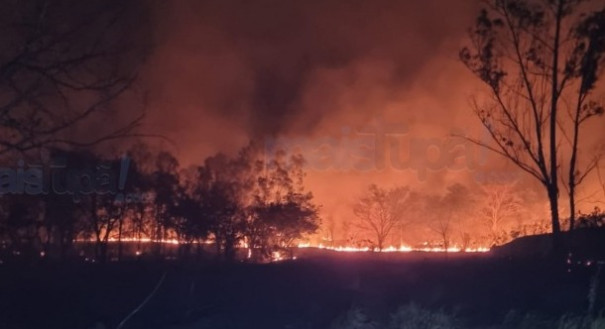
x=390, y=249
x=277, y=256
x=138, y=240
x=393, y=249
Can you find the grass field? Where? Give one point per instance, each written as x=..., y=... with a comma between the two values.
x=320, y=289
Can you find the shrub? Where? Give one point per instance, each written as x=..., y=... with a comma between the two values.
x=531, y=321
x=355, y=318
x=412, y=316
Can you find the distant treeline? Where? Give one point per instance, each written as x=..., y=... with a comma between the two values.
x=143, y=196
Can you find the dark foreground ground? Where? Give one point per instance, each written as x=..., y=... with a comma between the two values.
x=309, y=292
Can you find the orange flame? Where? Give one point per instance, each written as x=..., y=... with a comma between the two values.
x=402, y=248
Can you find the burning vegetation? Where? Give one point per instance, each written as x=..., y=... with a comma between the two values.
x=191, y=217
x=247, y=207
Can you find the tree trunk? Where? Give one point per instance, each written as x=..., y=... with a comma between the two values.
x=572, y=208
x=198, y=250
x=553, y=188
x=229, y=252
x=218, y=245
x=103, y=252
x=553, y=197
x=120, y=240
x=572, y=166
x=158, y=240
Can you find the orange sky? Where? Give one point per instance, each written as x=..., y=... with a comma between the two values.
x=222, y=72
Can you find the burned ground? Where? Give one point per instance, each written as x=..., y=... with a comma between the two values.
x=309, y=292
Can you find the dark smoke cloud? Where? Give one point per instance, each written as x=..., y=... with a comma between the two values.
x=225, y=72
x=258, y=68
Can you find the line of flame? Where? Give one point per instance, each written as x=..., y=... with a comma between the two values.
x=402, y=248
x=392, y=249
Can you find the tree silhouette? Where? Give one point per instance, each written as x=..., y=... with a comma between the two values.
x=535, y=58
x=164, y=182
x=446, y=213
x=231, y=200
x=216, y=190
x=500, y=203
x=60, y=73
x=279, y=210
x=63, y=220
x=379, y=211
x=20, y=224
x=254, y=201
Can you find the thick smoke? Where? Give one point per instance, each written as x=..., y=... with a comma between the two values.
x=225, y=72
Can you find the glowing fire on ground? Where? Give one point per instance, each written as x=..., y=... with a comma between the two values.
x=393, y=249
x=143, y=240
x=244, y=245
x=277, y=256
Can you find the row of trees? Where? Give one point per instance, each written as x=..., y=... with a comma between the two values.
x=484, y=217
x=241, y=201
x=65, y=67
x=541, y=62
x=462, y=216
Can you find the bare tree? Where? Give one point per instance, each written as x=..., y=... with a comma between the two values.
x=532, y=55
x=499, y=205
x=583, y=67
x=105, y=218
x=446, y=212
x=601, y=180
x=63, y=66
x=379, y=211
x=442, y=225
x=329, y=229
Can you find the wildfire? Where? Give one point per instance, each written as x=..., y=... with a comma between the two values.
x=402, y=248
x=278, y=256
x=143, y=240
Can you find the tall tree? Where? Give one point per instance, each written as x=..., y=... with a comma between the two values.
x=500, y=204
x=532, y=55
x=166, y=187
x=20, y=220
x=380, y=210
x=582, y=69
x=447, y=212
x=218, y=193
x=280, y=211
x=254, y=200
